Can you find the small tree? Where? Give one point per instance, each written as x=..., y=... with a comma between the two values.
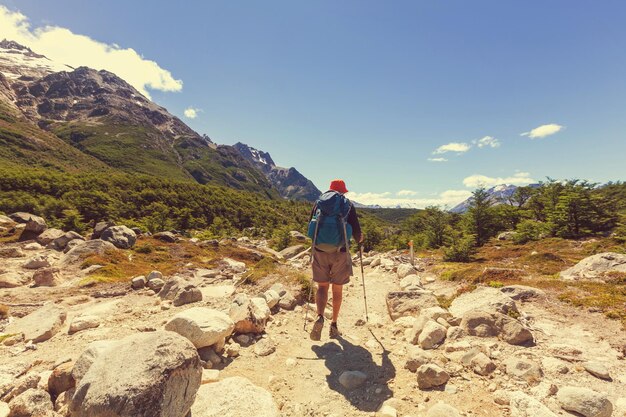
x=479, y=219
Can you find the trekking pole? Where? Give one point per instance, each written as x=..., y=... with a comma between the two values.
x=363, y=279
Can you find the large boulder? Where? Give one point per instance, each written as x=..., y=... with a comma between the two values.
x=168, y=237
x=99, y=228
x=86, y=249
x=40, y=325
x=249, y=314
x=596, y=267
x=49, y=235
x=142, y=375
x=60, y=243
x=523, y=369
x=291, y=251
x=584, y=401
x=430, y=376
x=485, y=324
x=432, y=335
x=33, y=402
x=36, y=262
x=120, y=236
x=233, y=397
x=411, y=282
x=179, y=291
x=405, y=269
x=485, y=299
x=202, y=326
x=409, y=303
x=47, y=277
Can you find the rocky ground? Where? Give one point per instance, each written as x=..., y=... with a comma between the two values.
x=206, y=340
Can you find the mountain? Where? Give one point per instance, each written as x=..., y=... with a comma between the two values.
x=290, y=183
x=100, y=120
x=498, y=194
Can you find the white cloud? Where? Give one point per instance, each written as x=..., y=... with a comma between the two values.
x=192, y=112
x=543, y=131
x=519, y=178
x=62, y=45
x=437, y=159
x=448, y=198
x=406, y=193
x=452, y=147
x=489, y=141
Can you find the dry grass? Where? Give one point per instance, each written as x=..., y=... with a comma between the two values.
x=540, y=263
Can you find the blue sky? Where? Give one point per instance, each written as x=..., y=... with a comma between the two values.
x=369, y=90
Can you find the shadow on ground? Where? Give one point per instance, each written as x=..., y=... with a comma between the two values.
x=341, y=356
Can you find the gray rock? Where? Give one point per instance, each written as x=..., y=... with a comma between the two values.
x=523, y=405
x=595, y=267
x=72, y=244
x=12, y=252
x=40, y=325
x=138, y=283
x=168, y=237
x=179, y=291
x=482, y=365
x=416, y=357
x=291, y=251
x=83, y=323
x=264, y=347
x=142, y=375
x=49, y=235
x=271, y=298
x=522, y=292
x=506, y=235
x=480, y=323
x=432, y=335
x=287, y=301
x=36, y=262
x=156, y=284
x=411, y=282
x=11, y=280
x=405, y=270
x=60, y=243
x=120, y=236
x=443, y=410
x=47, y=277
x=154, y=275
x=99, y=228
x=409, y=303
x=19, y=386
x=523, y=369
x=202, y=326
x=430, y=376
x=485, y=299
x=597, y=369
x=584, y=401
x=233, y=397
x=352, y=379
x=187, y=295
x=32, y=402
x=249, y=314
x=86, y=249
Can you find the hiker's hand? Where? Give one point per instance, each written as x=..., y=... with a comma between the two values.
x=361, y=239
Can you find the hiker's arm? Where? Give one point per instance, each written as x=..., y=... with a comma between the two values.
x=353, y=220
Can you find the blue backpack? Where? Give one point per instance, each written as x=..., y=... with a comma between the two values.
x=329, y=224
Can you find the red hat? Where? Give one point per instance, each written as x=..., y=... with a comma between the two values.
x=339, y=186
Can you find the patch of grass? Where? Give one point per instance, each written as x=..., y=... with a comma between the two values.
x=145, y=249
x=7, y=336
x=261, y=269
x=495, y=284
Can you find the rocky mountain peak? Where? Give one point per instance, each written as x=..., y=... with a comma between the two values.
x=20, y=62
x=255, y=155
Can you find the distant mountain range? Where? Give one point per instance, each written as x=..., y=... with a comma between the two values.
x=498, y=194
x=59, y=117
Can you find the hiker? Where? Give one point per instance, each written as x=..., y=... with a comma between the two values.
x=333, y=221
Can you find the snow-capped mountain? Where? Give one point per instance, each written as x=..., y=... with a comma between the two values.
x=289, y=182
x=18, y=61
x=498, y=194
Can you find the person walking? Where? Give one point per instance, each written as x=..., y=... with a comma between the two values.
x=333, y=222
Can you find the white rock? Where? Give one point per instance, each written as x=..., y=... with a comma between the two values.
x=443, y=410
x=584, y=401
x=271, y=298
x=202, y=326
x=523, y=405
x=405, y=270
x=597, y=369
x=595, y=267
x=40, y=325
x=83, y=323
x=36, y=262
x=210, y=375
x=432, y=335
x=523, y=369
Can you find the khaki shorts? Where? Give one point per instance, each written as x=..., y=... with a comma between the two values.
x=335, y=267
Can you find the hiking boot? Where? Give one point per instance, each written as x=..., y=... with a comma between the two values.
x=334, y=331
x=316, y=333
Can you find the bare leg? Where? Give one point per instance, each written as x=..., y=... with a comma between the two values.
x=321, y=297
x=337, y=294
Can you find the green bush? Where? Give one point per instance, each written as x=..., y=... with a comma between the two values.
x=461, y=250
x=529, y=230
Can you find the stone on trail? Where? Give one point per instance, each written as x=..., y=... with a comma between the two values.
x=156, y=284
x=233, y=397
x=235, y=266
x=584, y=401
x=61, y=379
x=47, y=277
x=287, y=301
x=522, y=292
x=12, y=253
x=32, y=402
x=154, y=275
x=523, y=369
x=416, y=357
x=597, y=369
x=523, y=405
x=168, y=237
x=85, y=249
x=40, y=325
x=249, y=314
x=482, y=365
x=138, y=283
x=291, y=251
x=179, y=291
x=61, y=242
x=352, y=379
x=405, y=270
x=83, y=323
x=409, y=303
x=4, y=408
x=432, y=335
x=411, y=282
x=49, y=235
x=483, y=298
x=595, y=267
x=37, y=262
x=264, y=347
x=430, y=376
x=142, y=375
x=443, y=410
x=120, y=236
x=486, y=324
x=271, y=298
x=11, y=280
x=202, y=326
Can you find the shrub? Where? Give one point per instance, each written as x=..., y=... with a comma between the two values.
x=461, y=250
x=495, y=284
x=529, y=230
